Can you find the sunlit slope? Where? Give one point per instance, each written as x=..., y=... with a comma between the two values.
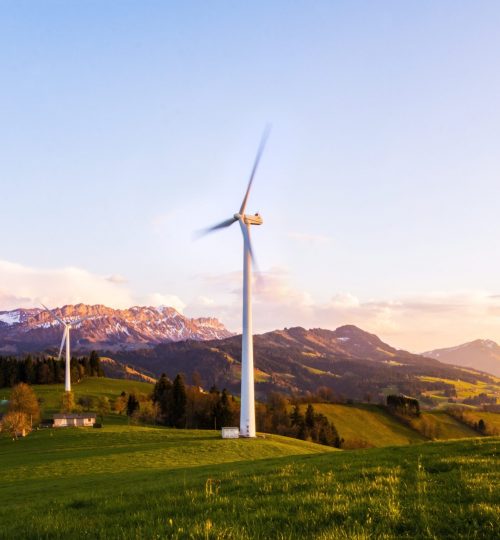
x=450, y=428
x=133, y=482
x=115, y=449
x=369, y=423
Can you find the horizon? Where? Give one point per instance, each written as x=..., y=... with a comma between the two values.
x=161, y=307
x=127, y=129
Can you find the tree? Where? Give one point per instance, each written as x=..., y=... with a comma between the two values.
x=86, y=402
x=95, y=365
x=163, y=396
x=120, y=403
x=103, y=407
x=132, y=405
x=309, y=418
x=68, y=402
x=23, y=400
x=481, y=426
x=29, y=370
x=296, y=417
x=15, y=423
x=179, y=402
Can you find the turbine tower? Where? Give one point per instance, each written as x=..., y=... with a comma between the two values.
x=247, y=415
x=66, y=339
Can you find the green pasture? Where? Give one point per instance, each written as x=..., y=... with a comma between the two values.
x=133, y=482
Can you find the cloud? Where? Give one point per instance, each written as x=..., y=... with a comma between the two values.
x=24, y=286
x=169, y=300
x=27, y=287
x=413, y=321
x=117, y=278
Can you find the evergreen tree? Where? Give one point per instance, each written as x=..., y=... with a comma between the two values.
x=296, y=417
x=309, y=418
x=132, y=405
x=95, y=365
x=163, y=397
x=29, y=370
x=179, y=402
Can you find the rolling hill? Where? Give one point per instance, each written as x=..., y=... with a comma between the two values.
x=350, y=362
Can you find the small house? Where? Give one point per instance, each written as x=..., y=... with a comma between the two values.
x=230, y=432
x=74, y=420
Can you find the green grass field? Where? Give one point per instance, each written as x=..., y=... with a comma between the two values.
x=370, y=423
x=465, y=389
x=51, y=394
x=141, y=483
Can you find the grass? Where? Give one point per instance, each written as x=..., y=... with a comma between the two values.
x=466, y=389
x=491, y=419
x=369, y=423
x=449, y=427
x=141, y=483
x=51, y=394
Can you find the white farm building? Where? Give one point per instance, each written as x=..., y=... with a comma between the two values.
x=74, y=420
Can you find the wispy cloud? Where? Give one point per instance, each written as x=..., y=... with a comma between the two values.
x=25, y=286
x=414, y=321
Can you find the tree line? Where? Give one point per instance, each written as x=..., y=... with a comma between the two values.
x=46, y=370
x=175, y=404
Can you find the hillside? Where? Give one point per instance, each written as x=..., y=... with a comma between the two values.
x=369, y=423
x=350, y=362
x=482, y=354
x=33, y=330
x=134, y=482
x=96, y=387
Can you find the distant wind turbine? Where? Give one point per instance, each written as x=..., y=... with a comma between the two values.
x=66, y=339
x=247, y=415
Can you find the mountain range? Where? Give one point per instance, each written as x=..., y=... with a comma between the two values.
x=482, y=354
x=348, y=361
x=143, y=342
x=33, y=330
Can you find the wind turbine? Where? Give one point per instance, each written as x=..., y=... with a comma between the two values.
x=247, y=415
x=65, y=339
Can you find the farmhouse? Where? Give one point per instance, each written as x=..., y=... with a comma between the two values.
x=74, y=420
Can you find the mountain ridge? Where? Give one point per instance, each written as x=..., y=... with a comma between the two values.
x=482, y=354
x=27, y=330
x=348, y=361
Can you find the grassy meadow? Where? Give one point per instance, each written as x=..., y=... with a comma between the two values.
x=141, y=482
x=146, y=482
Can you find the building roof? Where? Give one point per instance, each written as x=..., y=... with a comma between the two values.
x=74, y=416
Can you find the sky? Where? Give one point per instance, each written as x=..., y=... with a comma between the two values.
x=127, y=126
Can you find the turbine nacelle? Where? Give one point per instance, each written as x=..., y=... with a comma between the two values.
x=249, y=219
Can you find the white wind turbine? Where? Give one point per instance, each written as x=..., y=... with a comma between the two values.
x=247, y=415
x=66, y=339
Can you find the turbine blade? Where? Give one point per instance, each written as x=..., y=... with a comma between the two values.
x=62, y=344
x=221, y=225
x=53, y=314
x=255, y=165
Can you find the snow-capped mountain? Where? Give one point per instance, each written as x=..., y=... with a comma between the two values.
x=483, y=354
x=105, y=328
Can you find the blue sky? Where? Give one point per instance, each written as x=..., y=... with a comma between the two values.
x=126, y=126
